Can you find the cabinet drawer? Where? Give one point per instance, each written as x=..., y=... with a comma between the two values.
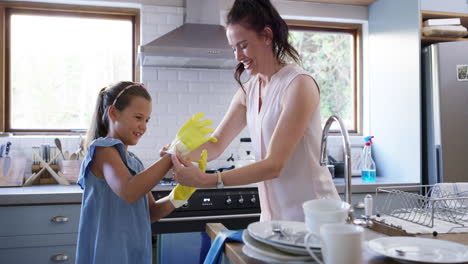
x=39, y=255
x=40, y=219
x=30, y=241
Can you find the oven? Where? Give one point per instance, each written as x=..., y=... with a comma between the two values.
x=184, y=229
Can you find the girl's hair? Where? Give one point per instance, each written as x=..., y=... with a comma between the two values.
x=256, y=15
x=119, y=95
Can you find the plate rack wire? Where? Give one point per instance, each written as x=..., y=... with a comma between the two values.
x=445, y=202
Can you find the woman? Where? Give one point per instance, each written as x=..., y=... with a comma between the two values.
x=280, y=105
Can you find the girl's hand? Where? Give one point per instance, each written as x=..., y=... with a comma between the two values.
x=163, y=151
x=186, y=173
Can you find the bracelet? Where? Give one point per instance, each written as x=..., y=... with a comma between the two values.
x=219, y=184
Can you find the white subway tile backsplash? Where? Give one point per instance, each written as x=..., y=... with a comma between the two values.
x=196, y=108
x=178, y=86
x=150, y=9
x=159, y=109
x=219, y=87
x=199, y=87
x=167, y=121
x=157, y=86
x=188, y=75
x=149, y=74
x=175, y=19
x=187, y=98
x=180, y=109
x=168, y=9
x=155, y=19
x=226, y=75
x=207, y=98
x=167, y=98
x=209, y=75
x=167, y=74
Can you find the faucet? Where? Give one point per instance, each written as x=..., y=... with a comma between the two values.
x=347, y=153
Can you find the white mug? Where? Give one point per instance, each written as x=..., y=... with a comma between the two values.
x=340, y=243
x=324, y=211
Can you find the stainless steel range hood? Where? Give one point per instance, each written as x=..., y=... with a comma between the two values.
x=199, y=43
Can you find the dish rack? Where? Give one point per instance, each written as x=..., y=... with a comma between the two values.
x=432, y=203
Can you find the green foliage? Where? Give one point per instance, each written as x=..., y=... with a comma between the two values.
x=328, y=57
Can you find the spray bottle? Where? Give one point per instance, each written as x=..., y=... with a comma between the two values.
x=367, y=163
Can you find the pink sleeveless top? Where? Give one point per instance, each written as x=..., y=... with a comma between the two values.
x=302, y=178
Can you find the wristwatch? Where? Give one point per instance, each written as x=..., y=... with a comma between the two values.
x=219, y=183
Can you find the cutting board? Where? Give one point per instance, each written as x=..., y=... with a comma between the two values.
x=15, y=174
x=395, y=231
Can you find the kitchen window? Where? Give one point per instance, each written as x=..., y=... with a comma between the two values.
x=330, y=52
x=57, y=58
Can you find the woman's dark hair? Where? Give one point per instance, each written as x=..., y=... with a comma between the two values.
x=119, y=95
x=256, y=15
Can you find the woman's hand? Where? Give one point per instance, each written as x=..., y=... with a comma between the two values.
x=187, y=174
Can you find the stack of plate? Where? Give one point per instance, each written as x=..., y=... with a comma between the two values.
x=287, y=246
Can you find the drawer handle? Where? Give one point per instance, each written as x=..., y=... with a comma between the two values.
x=59, y=258
x=59, y=219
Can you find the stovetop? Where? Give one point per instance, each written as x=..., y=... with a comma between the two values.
x=234, y=197
x=168, y=183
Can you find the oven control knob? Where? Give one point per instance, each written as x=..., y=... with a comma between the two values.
x=253, y=200
x=228, y=201
x=241, y=200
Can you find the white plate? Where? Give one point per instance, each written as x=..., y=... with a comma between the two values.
x=294, y=233
x=248, y=251
x=269, y=251
x=418, y=249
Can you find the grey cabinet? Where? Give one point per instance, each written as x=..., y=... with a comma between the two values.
x=39, y=234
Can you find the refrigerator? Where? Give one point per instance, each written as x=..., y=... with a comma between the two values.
x=445, y=112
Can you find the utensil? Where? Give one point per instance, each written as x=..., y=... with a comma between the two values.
x=6, y=164
x=67, y=155
x=73, y=156
x=293, y=233
x=277, y=229
x=59, y=146
x=2, y=147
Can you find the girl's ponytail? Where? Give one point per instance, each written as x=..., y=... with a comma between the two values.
x=99, y=125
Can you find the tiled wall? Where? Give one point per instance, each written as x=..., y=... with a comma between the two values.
x=177, y=94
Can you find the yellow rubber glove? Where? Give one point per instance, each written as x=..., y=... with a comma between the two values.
x=180, y=194
x=192, y=135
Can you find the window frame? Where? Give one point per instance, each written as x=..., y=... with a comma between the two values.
x=356, y=31
x=9, y=8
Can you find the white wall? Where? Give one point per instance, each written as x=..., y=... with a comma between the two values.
x=453, y=6
x=394, y=66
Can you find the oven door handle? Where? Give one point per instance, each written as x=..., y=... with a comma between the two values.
x=192, y=218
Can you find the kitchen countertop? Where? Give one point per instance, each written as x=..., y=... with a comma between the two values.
x=233, y=250
x=71, y=194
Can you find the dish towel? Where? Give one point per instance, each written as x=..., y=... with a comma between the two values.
x=218, y=244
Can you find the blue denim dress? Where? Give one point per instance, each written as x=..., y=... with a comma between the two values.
x=111, y=230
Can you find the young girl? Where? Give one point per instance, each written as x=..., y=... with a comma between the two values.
x=117, y=206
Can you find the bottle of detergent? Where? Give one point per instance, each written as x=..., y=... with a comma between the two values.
x=367, y=163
